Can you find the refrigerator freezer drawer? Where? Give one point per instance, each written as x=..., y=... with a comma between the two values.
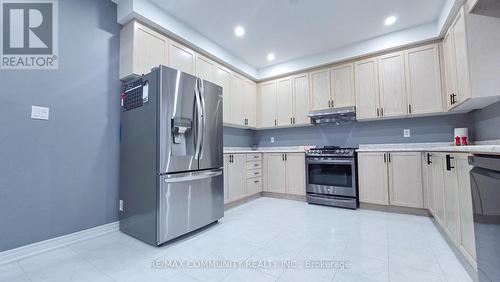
x=189, y=201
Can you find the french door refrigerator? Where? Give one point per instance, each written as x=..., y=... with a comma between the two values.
x=171, y=155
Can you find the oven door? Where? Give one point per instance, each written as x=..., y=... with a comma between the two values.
x=331, y=176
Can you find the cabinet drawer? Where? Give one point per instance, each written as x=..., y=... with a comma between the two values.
x=252, y=173
x=254, y=165
x=254, y=185
x=254, y=157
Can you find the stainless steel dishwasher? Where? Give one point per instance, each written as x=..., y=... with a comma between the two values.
x=485, y=187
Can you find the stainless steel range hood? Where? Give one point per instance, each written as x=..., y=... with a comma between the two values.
x=335, y=115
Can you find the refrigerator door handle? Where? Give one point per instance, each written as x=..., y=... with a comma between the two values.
x=193, y=176
x=201, y=92
x=199, y=114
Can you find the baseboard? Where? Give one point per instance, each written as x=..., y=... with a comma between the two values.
x=300, y=198
x=242, y=201
x=395, y=209
x=55, y=243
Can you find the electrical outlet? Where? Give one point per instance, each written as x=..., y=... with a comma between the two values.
x=38, y=112
x=407, y=133
x=120, y=205
x=272, y=139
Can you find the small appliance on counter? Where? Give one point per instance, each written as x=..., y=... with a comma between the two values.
x=171, y=155
x=331, y=177
x=461, y=137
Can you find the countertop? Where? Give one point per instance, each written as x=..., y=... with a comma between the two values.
x=248, y=150
x=431, y=147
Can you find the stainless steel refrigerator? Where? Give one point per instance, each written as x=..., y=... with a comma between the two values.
x=171, y=166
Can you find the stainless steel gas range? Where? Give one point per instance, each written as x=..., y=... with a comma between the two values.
x=331, y=174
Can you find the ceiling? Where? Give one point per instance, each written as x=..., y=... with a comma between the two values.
x=294, y=29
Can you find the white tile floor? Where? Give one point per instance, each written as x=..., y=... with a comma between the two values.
x=375, y=246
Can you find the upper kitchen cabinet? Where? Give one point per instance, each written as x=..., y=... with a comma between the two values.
x=205, y=68
x=320, y=90
x=250, y=103
x=285, y=101
x=237, y=100
x=268, y=104
x=472, y=63
x=392, y=85
x=367, y=89
x=181, y=58
x=342, y=83
x=141, y=49
x=223, y=79
x=423, y=80
x=300, y=87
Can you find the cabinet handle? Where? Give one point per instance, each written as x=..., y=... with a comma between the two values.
x=385, y=157
x=382, y=113
x=255, y=165
x=255, y=173
x=291, y=120
x=389, y=157
x=429, y=159
x=286, y=157
x=256, y=181
x=275, y=123
x=332, y=104
x=378, y=112
x=448, y=162
x=329, y=105
x=409, y=109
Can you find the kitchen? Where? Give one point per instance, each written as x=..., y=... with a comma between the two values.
x=374, y=158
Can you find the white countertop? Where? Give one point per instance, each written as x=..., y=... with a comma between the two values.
x=431, y=147
x=248, y=150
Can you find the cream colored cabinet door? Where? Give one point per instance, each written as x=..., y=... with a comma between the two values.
x=342, y=80
x=468, y=245
x=223, y=79
x=450, y=69
x=423, y=80
x=300, y=86
x=237, y=176
x=227, y=197
x=392, y=85
x=250, y=105
x=295, y=173
x=205, y=68
x=181, y=58
x=275, y=172
x=237, y=100
x=268, y=104
x=428, y=182
x=285, y=101
x=141, y=49
x=367, y=89
x=373, y=178
x=461, y=57
x=405, y=179
x=438, y=181
x=451, y=201
x=320, y=89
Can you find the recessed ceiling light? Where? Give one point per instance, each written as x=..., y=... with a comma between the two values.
x=239, y=31
x=390, y=20
x=271, y=56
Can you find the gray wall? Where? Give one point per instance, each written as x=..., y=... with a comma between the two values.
x=61, y=176
x=487, y=123
x=235, y=137
x=428, y=129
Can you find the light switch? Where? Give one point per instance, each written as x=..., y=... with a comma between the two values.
x=272, y=139
x=407, y=133
x=38, y=112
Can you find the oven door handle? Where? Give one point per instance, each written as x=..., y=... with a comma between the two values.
x=309, y=161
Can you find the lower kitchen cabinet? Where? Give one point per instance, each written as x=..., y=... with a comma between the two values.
x=451, y=204
x=275, y=172
x=405, y=179
x=373, y=178
x=236, y=176
x=285, y=173
x=452, y=199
